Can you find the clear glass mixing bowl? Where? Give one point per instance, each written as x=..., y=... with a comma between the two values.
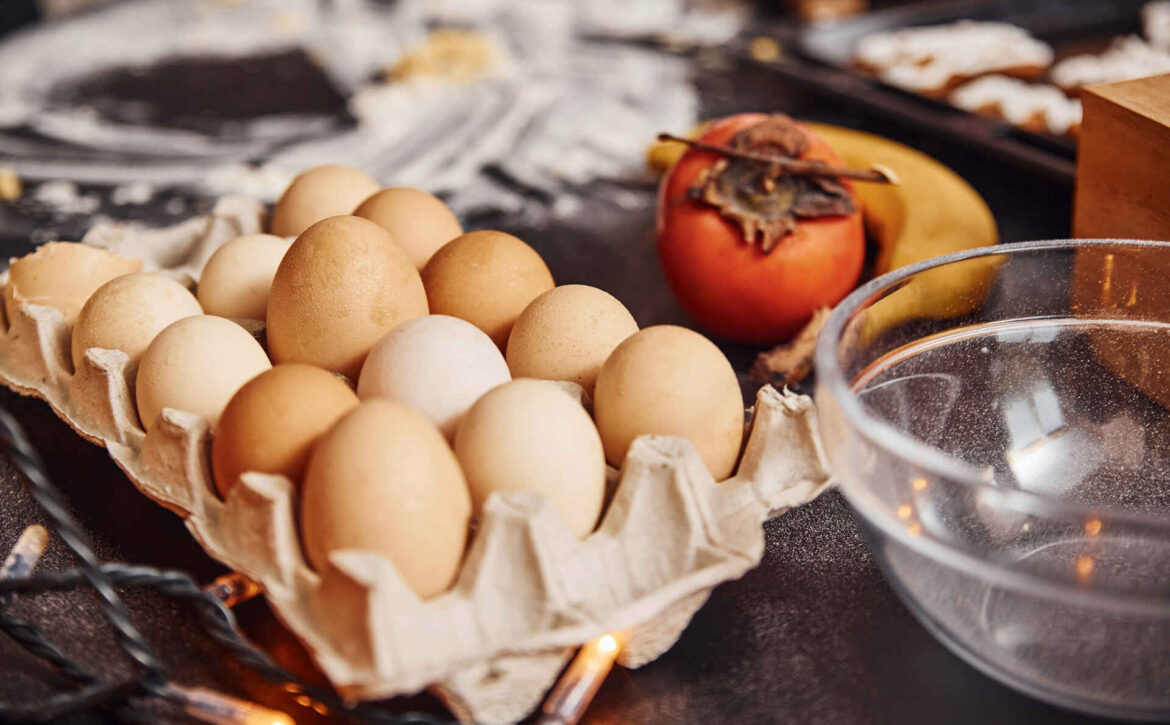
x=999, y=419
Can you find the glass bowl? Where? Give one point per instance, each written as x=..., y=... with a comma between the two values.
x=999, y=419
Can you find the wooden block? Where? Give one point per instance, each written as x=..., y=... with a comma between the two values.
x=1123, y=163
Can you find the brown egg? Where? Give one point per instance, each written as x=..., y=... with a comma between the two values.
x=320, y=192
x=384, y=480
x=236, y=279
x=62, y=275
x=196, y=364
x=668, y=380
x=271, y=423
x=531, y=435
x=419, y=221
x=567, y=333
x=128, y=311
x=341, y=286
x=486, y=278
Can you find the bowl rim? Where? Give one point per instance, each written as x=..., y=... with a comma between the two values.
x=929, y=459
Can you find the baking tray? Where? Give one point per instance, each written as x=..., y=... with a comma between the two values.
x=1070, y=26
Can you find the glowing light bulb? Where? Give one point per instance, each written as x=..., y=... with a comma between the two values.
x=1084, y=567
x=216, y=708
x=580, y=681
x=233, y=589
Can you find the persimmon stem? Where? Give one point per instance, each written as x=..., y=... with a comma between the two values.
x=797, y=167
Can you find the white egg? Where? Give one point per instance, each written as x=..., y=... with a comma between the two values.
x=437, y=365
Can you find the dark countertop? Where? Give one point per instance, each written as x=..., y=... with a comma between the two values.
x=814, y=634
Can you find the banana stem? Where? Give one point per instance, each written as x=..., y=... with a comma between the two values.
x=877, y=174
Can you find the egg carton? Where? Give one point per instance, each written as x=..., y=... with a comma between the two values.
x=529, y=591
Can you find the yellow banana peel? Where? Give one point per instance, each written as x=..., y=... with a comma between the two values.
x=931, y=211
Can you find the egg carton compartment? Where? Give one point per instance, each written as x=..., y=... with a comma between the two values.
x=528, y=592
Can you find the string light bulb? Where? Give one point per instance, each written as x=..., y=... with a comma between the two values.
x=567, y=702
x=26, y=553
x=216, y=708
x=233, y=588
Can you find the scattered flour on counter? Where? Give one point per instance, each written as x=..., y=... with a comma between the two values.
x=63, y=197
x=138, y=192
x=567, y=104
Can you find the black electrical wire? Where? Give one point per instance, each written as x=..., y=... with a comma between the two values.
x=152, y=676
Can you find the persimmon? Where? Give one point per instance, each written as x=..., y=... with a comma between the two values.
x=751, y=252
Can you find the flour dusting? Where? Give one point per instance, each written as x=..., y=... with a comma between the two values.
x=566, y=101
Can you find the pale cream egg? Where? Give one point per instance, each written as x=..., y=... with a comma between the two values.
x=436, y=365
x=196, y=365
x=237, y=277
x=531, y=435
x=127, y=313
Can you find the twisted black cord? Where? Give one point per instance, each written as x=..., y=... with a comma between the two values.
x=29, y=636
x=220, y=623
x=29, y=461
x=62, y=704
x=217, y=618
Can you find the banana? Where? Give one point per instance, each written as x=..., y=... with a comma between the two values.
x=932, y=211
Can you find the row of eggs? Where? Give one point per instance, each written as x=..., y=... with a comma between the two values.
x=451, y=341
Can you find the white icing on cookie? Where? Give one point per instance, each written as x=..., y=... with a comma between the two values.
x=1128, y=58
x=1020, y=103
x=1156, y=23
x=928, y=58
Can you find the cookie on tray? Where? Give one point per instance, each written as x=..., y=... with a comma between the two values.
x=935, y=59
x=1126, y=59
x=1035, y=107
x=1156, y=23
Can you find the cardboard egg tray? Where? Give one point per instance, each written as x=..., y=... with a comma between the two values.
x=529, y=592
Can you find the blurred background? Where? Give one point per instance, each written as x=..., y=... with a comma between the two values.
x=534, y=117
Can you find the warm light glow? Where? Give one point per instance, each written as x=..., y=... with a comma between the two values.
x=1132, y=299
x=914, y=529
x=1093, y=527
x=567, y=702
x=904, y=511
x=919, y=484
x=270, y=718
x=216, y=708
x=304, y=701
x=233, y=589
x=1084, y=567
x=1107, y=279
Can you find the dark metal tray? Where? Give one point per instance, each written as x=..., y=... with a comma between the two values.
x=1070, y=26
